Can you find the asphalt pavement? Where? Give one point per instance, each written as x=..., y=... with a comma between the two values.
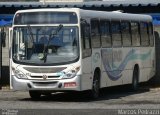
x=112, y=100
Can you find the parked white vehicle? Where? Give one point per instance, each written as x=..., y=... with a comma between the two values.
x=70, y=49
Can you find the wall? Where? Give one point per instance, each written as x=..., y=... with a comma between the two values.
x=5, y=60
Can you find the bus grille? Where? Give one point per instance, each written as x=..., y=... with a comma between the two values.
x=47, y=76
x=45, y=83
x=44, y=70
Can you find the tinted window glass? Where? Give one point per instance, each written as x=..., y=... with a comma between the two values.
x=144, y=34
x=116, y=34
x=126, y=36
x=85, y=33
x=105, y=33
x=95, y=33
x=150, y=29
x=135, y=34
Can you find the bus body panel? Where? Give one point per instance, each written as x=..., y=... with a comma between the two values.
x=87, y=75
x=37, y=82
x=51, y=85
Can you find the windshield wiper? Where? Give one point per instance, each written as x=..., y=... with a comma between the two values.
x=31, y=36
x=45, y=51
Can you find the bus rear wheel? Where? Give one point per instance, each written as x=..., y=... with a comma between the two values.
x=135, y=81
x=35, y=94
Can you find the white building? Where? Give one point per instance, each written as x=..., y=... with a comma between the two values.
x=67, y=0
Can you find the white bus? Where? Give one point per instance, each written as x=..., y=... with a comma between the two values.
x=70, y=49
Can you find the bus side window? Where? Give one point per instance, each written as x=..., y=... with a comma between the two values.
x=116, y=34
x=85, y=38
x=82, y=37
x=105, y=33
x=95, y=33
x=150, y=31
x=126, y=33
x=135, y=34
x=144, y=34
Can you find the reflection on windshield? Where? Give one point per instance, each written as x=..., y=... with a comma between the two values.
x=29, y=44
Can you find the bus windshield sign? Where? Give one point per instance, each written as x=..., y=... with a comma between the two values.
x=45, y=18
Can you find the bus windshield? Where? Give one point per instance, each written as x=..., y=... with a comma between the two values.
x=30, y=42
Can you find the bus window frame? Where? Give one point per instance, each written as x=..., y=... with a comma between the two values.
x=138, y=34
x=150, y=24
x=86, y=52
x=110, y=34
x=99, y=34
x=130, y=33
x=119, y=23
x=143, y=45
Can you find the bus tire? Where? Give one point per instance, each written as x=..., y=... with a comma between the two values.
x=35, y=94
x=95, y=86
x=135, y=79
x=47, y=94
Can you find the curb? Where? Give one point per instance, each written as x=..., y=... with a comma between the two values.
x=155, y=89
x=5, y=88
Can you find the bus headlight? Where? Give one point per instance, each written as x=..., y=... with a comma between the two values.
x=19, y=74
x=72, y=73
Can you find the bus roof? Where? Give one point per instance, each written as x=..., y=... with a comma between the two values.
x=95, y=14
x=115, y=15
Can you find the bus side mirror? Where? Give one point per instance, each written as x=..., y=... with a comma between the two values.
x=3, y=39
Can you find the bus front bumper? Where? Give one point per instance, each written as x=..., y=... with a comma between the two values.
x=72, y=84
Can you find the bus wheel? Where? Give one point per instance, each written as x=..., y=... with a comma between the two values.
x=35, y=94
x=135, y=84
x=95, y=86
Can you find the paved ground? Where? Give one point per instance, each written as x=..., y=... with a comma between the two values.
x=111, y=98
